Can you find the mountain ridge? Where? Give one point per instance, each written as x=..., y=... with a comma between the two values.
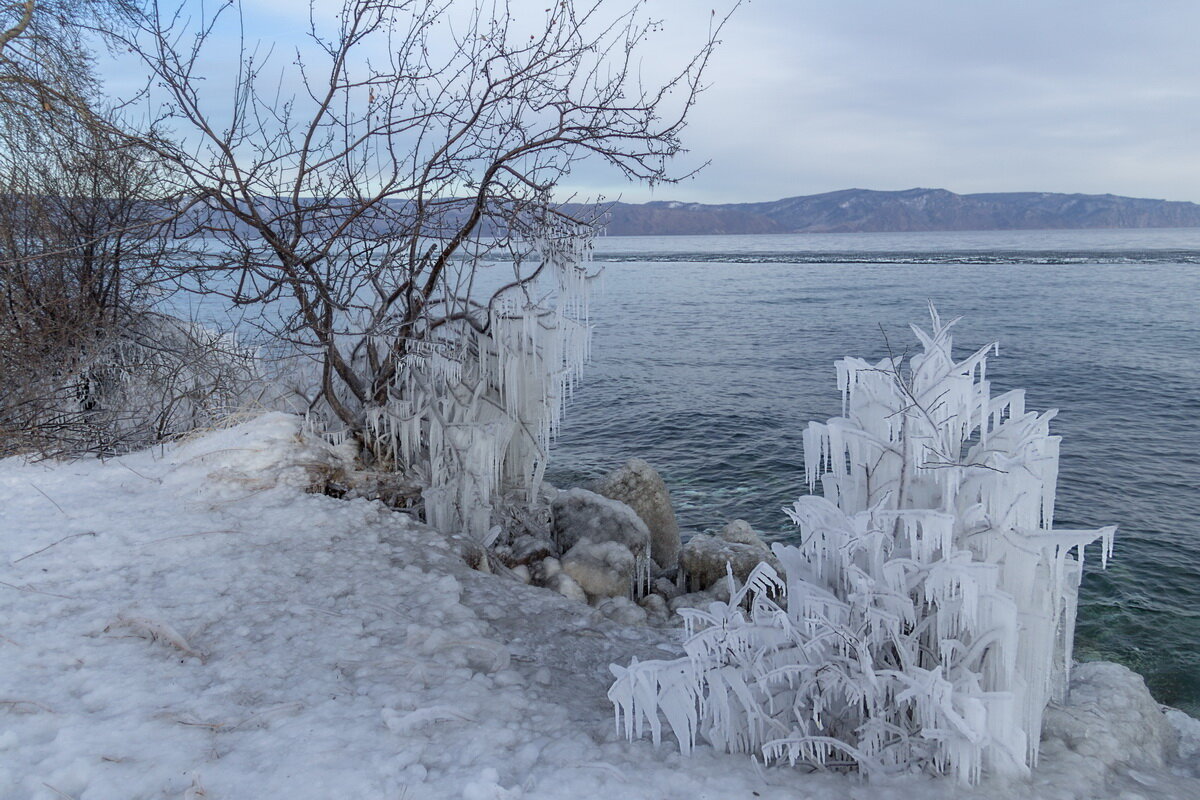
x=867, y=210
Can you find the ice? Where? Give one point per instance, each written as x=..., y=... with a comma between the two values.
x=345, y=650
x=927, y=614
x=475, y=411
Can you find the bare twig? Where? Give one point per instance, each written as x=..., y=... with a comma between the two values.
x=52, y=544
x=184, y=536
x=28, y=588
x=17, y=703
x=58, y=792
x=48, y=497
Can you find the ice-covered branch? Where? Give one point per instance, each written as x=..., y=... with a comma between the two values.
x=927, y=613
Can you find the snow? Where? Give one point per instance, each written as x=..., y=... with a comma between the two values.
x=190, y=622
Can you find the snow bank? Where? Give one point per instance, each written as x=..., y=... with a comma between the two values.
x=190, y=618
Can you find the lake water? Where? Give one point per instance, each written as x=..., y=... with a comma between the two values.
x=710, y=355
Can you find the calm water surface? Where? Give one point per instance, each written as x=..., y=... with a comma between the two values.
x=712, y=353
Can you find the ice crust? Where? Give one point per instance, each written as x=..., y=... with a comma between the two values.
x=342, y=650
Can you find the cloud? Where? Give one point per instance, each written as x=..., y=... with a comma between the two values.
x=1046, y=96
x=1039, y=95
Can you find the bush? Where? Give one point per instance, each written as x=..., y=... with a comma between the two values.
x=927, y=613
x=138, y=380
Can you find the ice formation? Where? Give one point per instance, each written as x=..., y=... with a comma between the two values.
x=927, y=614
x=474, y=411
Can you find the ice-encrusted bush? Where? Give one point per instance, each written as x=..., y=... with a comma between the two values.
x=472, y=411
x=145, y=378
x=927, y=613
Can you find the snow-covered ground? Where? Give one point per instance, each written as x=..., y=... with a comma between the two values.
x=189, y=623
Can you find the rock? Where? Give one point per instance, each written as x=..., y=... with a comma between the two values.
x=602, y=569
x=476, y=556
x=528, y=549
x=1109, y=721
x=1188, y=730
x=669, y=574
x=667, y=588
x=719, y=591
x=704, y=559
x=740, y=532
x=691, y=600
x=622, y=610
x=656, y=608
x=544, y=571
x=580, y=514
x=639, y=486
x=565, y=585
x=521, y=573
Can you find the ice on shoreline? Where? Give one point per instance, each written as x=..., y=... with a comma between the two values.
x=189, y=618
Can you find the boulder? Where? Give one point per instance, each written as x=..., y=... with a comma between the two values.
x=740, y=532
x=1110, y=721
x=622, y=610
x=527, y=549
x=639, y=486
x=718, y=592
x=704, y=560
x=656, y=609
x=666, y=587
x=602, y=569
x=580, y=514
x=565, y=585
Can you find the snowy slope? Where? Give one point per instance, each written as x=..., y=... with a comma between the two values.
x=188, y=622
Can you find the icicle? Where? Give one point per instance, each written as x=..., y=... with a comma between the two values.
x=972, y=547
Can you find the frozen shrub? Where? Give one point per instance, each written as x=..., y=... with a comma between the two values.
x=143, y=378
x=927, y=613
x=473, y=411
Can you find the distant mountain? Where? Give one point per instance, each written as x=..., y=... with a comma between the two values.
x=860, y=210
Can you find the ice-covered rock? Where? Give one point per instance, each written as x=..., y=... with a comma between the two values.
x=622, y=610
x=667, y=588
x=580, y=514
x=718, y=592
x=1110, y=719
x=704, y=559
x=565, y=585
x=1188, y=730
x=740, y=532
x=527, y=549
x=602, y=569
x=639, y=486
x=656, y=608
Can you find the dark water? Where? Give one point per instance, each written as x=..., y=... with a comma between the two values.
x=712, y=353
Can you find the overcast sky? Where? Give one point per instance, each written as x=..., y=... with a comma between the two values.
x=809, y=96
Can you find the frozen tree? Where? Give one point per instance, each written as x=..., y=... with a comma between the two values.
x=354, y=184
x=926, y=616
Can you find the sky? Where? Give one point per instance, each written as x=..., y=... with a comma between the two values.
x=809, y=96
